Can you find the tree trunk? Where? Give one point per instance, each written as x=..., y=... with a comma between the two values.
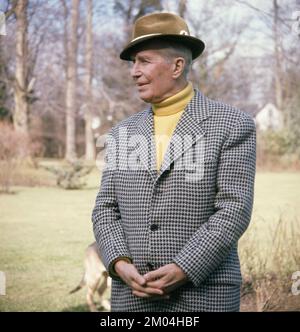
x=182, y=8
x=277, y=52
x=71, y=81
x=21, y=111
x=90, y=152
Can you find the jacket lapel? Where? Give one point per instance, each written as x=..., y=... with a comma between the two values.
x=187, y=132
x=147, y=151
x=188, y=125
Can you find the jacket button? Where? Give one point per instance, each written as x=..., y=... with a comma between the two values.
x=154, y=227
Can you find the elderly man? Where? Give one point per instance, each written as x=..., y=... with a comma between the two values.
x=168, y=227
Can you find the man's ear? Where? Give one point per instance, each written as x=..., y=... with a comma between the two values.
x=179, y=64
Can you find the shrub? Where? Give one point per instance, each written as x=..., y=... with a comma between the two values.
x=277, y=150
x=70, y=176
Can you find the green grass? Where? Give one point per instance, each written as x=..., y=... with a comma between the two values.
x=45, y=230
x=277, y=194
x=277, y=197
x=43, y=235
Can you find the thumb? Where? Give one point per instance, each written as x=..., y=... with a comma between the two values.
x=139, y=279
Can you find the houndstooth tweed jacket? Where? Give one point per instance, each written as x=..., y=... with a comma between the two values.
x=191, y=212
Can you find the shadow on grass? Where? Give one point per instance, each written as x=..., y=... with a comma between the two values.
x=82, y=308
x=78, y=308
x=10, y=192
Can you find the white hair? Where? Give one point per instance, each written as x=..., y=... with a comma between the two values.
x=174, y=49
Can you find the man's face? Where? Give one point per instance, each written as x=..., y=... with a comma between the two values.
x=153, y=75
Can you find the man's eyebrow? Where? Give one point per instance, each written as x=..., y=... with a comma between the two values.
x=141, y=57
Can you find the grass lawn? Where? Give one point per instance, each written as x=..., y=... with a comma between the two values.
x=43, y=234
x=45, y=230
x=277, y=195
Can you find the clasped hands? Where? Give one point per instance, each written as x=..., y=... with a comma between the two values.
x=157, y=284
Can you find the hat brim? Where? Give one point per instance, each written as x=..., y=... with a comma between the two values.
x=196, y=45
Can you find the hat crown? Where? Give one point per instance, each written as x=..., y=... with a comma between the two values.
x=159, y=23
x=162, y=26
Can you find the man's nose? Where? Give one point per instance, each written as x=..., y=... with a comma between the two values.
x=135, y=72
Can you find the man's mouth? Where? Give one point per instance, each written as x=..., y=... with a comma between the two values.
x=141, y=84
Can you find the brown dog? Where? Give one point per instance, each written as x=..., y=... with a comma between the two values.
x=95, y=278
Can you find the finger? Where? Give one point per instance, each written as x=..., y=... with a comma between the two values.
x=158, y=284
x=140, y=280
x=153, y=275
x=148, y=296
x=148, y=290
x=140, y=294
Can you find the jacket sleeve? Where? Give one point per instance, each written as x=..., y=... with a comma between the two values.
x=107, y=223
x=213, y=241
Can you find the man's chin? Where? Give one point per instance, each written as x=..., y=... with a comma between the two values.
x=145, y=98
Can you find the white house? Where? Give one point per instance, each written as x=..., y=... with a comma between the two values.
x=269, y=117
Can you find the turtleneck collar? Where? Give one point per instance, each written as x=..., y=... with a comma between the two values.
x=174, y=104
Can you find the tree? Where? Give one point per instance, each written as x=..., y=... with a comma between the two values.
x=4, y=111
x=182, y=7
x=71, y=80
x=277, y=55
x=89, y=136
x=210, y=72
x=21, y=86
x=131, y=10
x=277, y=20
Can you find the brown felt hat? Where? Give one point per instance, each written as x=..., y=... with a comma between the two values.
x=163, y=26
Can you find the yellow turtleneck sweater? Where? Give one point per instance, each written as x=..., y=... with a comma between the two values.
x=166, y=116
